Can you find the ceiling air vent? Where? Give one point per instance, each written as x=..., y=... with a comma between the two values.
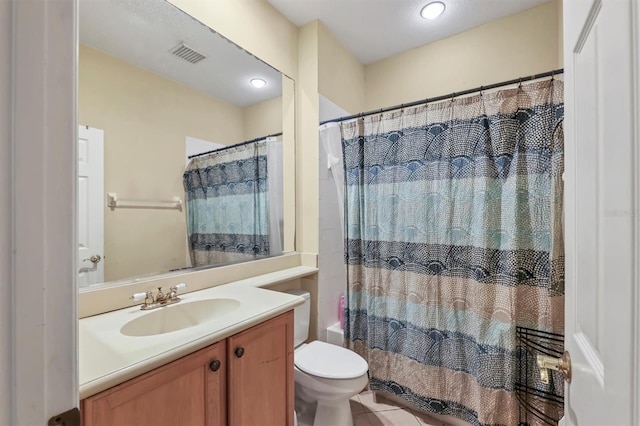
x=188, y=54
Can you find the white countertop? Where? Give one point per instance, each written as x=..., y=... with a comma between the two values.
x=108, y=358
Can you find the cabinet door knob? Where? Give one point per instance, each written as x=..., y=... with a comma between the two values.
x=239, y=352
x=215, y=365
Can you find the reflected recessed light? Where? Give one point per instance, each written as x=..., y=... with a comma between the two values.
x=432, y=10
x=257, y=82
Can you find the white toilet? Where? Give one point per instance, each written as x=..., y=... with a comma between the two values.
x=326, y=376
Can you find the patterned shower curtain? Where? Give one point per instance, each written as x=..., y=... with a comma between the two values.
x=453, y=223
x=227, y=205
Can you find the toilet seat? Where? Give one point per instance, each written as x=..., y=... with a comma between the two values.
x=329, y=361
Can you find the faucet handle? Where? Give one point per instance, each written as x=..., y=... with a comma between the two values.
x=136, y=297
x=174, y=288
x=147, y=296
x=173, y=291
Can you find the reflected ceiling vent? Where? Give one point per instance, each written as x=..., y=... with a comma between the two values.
x=188, y=54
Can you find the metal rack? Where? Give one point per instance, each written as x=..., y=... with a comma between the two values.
x=540, y=403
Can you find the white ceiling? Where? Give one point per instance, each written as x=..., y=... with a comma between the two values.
x=376, y=29
x=141, y=32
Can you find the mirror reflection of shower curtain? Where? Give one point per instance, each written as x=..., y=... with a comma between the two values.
x=227, y=212
x=331, y=140
x=275, y=184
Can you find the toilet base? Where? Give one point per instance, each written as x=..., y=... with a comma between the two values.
x=333, y=413
x=305, y=412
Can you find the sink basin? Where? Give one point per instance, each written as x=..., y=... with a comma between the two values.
x=179, y=316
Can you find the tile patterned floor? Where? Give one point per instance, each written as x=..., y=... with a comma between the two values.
x=367, y=412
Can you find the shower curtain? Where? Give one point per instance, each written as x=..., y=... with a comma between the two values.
x=453, y=238
x=227, y=205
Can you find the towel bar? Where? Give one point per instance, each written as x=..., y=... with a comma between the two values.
x=113, y=202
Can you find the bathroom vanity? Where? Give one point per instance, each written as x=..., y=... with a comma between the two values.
x=233, y=367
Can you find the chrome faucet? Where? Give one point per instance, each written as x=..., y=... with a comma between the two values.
x=161, y=298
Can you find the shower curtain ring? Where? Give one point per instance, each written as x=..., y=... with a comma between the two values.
x=481, y=90
x=453, y=95
x=520, y=83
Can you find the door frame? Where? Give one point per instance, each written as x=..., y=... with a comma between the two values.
x=635, y=90
x=44, y=133
x=6, y=47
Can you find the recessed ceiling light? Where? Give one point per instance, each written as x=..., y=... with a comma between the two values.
x=432, y=10
x=257, y=82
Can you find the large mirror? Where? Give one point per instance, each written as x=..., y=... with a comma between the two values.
x=180, y=155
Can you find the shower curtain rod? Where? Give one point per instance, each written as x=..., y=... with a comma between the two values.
x=449, y=96
x=236, y=145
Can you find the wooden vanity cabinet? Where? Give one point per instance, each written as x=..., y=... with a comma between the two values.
x=260, y=360
x=183, y=392
x=246, y=379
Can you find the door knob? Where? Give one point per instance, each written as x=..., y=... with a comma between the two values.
x=239, y=352
x=94, y=259
x=215, y=365
x=562, y=364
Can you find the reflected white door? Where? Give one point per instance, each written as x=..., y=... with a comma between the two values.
x=90, y=206
x=601, y=211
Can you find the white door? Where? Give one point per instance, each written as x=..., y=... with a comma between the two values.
x=601, y=221
x=90, y=206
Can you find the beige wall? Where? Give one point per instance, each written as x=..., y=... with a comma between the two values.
x=511, y=47
x=307, y=111
x=262, y=119
x=324, y=67
x=307, y=194
x=560, y=33
x=146, y=119
x=341, y=76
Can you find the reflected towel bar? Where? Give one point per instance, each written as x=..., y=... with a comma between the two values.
x=113, y=202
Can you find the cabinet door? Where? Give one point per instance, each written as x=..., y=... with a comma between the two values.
x=261, y=374
x=184, y=392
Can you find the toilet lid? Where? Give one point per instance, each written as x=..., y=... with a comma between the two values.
x=329, y=361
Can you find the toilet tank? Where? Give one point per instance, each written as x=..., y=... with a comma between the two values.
x=301, y=317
